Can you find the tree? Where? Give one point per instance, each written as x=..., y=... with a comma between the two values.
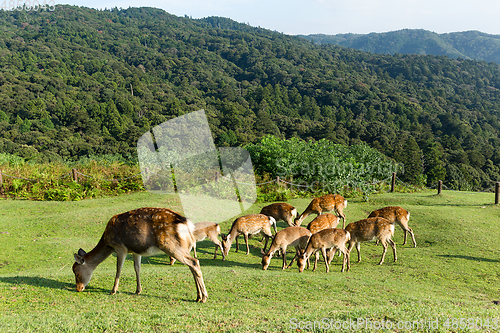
x=411, y=158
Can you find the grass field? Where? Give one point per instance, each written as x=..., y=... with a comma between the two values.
x=447, y=283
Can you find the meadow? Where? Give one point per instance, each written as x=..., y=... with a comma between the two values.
x=449, y=282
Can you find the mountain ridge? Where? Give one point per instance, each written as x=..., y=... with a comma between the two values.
x=471, y=44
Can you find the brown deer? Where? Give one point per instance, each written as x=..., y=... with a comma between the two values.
x=290, y=236
x=248, y=225
x=323, y=240
x=397, y=215
x=323, y=221
x=370, y=229
x=280, y=211
x=143, y=232
x=326, y=203
x=203, y=230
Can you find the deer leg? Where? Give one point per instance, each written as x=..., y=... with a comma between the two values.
x=384, y=244
x=284, y=257
x=137, y=268
x=331, y=254
x=236, y=243
x=412, y=237
x=316, y=261
x=358, y=248
x=297, y=253
x=217, y=245
x=393, y=244
x=267, y=234
x=120, y=260
x=345, y=261
x=325, y=257
x=246, y=242
x=194, y=250
x=194, y=266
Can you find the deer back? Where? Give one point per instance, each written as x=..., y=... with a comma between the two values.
x=280, y=211
x=323, y=221
x=370, y=229
x=203, y=229
x=392, y=213
x=328, y=238
x=140, y=229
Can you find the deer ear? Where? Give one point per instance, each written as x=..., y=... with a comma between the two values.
x=79, y=259
x=81, y=252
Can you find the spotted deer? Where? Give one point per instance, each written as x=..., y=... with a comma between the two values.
x=397, y=215
x=280, y=211
x=324, y=240
x=323, y=221
x=204, y=230
x=290, y=236
x=248, y=225
x=326, y=203
x=142, y=232
x=370, y=229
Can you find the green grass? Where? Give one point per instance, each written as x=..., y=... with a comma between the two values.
x=452, y=274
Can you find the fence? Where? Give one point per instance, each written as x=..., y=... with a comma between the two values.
x=76, y=175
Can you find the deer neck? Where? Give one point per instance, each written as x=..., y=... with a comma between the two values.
x=98, y=254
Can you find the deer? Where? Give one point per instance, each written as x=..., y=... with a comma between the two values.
x=323, y=240
x=248, y=225
x=290, y=236
x=370, y=229
x=323, y=221
x=326, y=203
x=397, y=215
x=201, y=231
x=280, y=211
x=143, y=232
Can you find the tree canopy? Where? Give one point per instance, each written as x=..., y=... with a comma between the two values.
x=77, y=82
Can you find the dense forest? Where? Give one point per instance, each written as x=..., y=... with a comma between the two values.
x=465, y=44
x=77, y=82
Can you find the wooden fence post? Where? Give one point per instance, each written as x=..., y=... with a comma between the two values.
x=497, y=192
x=2, y=191
x=393, y=182
x=75, y=175
x=440, y=186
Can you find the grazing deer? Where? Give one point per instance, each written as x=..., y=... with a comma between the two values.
x=370, y=229
x=280, y=211
x=397, y=215
x=248, y=225
x=290, y=236
x=323, y=221
x=326, y=203
x=203, y=230
x=323, y=240
x=143, y=232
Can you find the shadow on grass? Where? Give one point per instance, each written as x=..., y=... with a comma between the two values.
x=205, y=252
x=54, y=284
x=38, y=281
x=456, y=256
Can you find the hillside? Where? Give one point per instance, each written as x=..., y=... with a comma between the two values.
x=78, y=82
x=466, y=45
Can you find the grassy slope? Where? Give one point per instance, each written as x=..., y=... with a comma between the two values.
x=451, y=274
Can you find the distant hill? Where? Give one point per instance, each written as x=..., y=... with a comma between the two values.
x=467, y=45
x=78, y=81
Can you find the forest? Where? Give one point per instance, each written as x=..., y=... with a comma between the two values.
x=464, y=44
x=79, y=82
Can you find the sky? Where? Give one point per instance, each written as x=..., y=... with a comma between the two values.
x=331, y=17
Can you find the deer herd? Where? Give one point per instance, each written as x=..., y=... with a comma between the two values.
x=149, y=231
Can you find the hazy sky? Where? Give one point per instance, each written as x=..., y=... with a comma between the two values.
x=332, y=16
